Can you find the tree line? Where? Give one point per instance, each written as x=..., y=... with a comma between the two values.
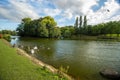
x=46, y=27
x=81, y=27
x=8, y=32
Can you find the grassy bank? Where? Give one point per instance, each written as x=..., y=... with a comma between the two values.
x=17, y=67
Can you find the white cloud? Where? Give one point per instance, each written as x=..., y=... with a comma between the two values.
x=18, y=10
x=106, y=13
x=67, y=14
x=52, y=12
x=73, y=8
x=76, y=6
x=65, y=10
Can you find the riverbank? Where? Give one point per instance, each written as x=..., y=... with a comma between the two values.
x=38, y=62
x=112, y=37
x=100, y=37
x=17, y=67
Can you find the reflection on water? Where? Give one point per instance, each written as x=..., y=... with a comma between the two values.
x=85, y=58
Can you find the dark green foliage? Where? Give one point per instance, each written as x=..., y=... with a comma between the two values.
x=76, y=23
x=85, y=22
x=43, y=27
x=106, y=28
x=80, y=25
x=8, y=32
x=7, y=37
x=76, y=26
x=67, y=31
x=46, y=27
x=112, y=27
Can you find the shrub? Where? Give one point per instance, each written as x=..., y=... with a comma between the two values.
x=65, y=70
x=0, y=36
x=7, y=37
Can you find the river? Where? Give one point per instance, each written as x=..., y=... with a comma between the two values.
x=84, y=58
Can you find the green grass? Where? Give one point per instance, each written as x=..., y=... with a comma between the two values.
x=17, y=67
x=113, y=35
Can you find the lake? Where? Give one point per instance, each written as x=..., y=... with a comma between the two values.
x=85, y=58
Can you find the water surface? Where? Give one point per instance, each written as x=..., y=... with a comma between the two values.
x=85, y=58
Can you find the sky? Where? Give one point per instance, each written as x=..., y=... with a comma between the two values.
x=63, y=11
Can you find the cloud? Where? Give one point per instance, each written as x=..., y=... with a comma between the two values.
x=108, y=12
x=17, y=9
x=72, y=8
x=67, y=14
x=64, y=12
x=52, y=12
x=75, y=6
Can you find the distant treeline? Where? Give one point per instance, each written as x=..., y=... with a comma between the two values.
x=46, y=27
x=8, y=32
x=81, y=27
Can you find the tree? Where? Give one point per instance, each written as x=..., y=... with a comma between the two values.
x=85, y=22
x=117, y=27
x=42, y=27
x=67, y=31
x=49, y=23
x=76, y=26
x=80, y=25
x=89, y=30
x=26, y=23
x=84, y=25
x=20, y=29
x=56, y=32
x=42, y=31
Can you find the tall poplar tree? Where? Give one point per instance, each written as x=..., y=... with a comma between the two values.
x=80, y=22
x=80, y=25
x=85, y=22
x=76, y=26
x=85, y=25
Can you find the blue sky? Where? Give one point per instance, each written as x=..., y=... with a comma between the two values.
x=63, y=11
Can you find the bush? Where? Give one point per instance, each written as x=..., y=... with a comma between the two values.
x=0, y=36
x=7, y=37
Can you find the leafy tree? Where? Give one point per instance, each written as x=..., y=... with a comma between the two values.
x=26, y=23
x=84, y=25
x=20, y=29
x=89, y=30
x=42, y=27
x=80, y=25
x=117, y=28
x=49, y=23
x=56, y=33
x=76, y=26
x=42, y=31
x=67, y=31
x=85, y=22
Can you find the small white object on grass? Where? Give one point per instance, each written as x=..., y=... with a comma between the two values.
x=35, y=47
x=32, y=51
